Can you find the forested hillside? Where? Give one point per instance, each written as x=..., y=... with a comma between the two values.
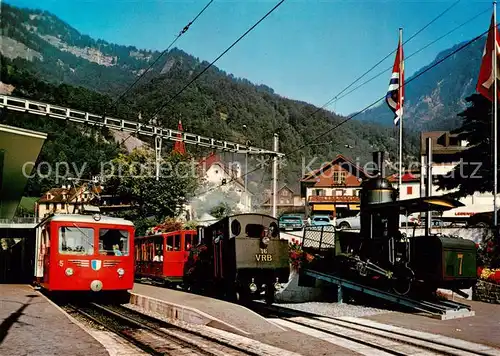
x=216, y=105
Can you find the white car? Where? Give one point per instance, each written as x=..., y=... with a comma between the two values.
x=354, y=222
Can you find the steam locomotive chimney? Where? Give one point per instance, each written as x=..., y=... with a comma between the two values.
x=378, y=160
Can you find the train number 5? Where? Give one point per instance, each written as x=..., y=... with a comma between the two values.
x=460, y=258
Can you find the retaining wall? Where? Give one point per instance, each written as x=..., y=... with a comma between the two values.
x=486, y=292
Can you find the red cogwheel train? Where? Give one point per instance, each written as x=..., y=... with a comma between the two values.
x=81, y=253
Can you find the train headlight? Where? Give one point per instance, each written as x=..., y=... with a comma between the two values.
x=265, y=240
x=277, y=285
x=253, y=287
x=69, y=272
x=120, y=271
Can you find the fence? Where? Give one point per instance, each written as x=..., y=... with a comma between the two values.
x=319, y=237
x=20, y=220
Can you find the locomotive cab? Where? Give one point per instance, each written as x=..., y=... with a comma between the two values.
x=240, y=257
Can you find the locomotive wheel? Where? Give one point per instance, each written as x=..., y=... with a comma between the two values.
x=404, y=278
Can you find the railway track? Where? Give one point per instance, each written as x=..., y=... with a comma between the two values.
x=367, y=337
x=153, y=336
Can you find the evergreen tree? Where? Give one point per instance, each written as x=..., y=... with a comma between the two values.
x=474, y=173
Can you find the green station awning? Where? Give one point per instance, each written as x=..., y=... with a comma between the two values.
x=19, y=150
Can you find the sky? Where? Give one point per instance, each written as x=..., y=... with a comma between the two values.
x=305, y=50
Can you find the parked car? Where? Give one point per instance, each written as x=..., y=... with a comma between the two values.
x=291, y=222
x=351, y=222
x=321, y=220
x=354, y=222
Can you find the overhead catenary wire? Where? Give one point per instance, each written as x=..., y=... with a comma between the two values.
x=216, y=59
x=183, y=31
x=408, y=57
x=336, y=97
x=382, y=98
x=414, y=53
x=367, y=107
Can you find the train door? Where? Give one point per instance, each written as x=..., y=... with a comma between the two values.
x=157, y=264
x=189, y=241
x=174, y=258
x=46, y=253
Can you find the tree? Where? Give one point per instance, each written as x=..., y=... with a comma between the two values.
x=474, y=173
x=132, y=177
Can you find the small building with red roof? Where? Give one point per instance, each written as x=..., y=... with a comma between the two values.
x=410, y=184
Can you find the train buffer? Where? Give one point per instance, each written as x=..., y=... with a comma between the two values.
x=443, y=310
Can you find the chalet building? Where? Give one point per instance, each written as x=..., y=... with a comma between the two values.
x=286, y=201
x=64, y=200
x=445, y=147
x=70, y=200
x=227, y=176
x=334, y=188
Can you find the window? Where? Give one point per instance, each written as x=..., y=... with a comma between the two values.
x=339, y=177
x=173, y=243
x=76, y=240
x=188, y=242
x=113, y=242
x=158, y=249
x=254, y=230
x=409, y=190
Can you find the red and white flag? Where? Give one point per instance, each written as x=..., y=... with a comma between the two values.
x=486, y=73
x=395, y=94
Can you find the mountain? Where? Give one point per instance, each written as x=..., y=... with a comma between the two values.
x=88, y=74
x=433, y=99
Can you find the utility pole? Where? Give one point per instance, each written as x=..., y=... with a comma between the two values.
x=428, y=215
x=275, y=174
x=158, y=140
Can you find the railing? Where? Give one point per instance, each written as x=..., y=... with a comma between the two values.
x=20, y=220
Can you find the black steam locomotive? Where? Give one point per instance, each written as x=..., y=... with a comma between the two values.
x=381, y=256
x=239, y=258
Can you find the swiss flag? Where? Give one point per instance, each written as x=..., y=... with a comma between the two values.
x=486, y=73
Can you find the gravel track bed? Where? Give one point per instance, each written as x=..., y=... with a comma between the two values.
x=289, y=340
x=334, y=309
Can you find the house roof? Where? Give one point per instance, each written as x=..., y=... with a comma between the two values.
x=62, y=195
x=407, y=177
x=443, y=142
x=339, y=160
x=268, y=194
x=206, y=163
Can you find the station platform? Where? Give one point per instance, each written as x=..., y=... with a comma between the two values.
x=32, y=325
x=483, y=328
x=197, y=309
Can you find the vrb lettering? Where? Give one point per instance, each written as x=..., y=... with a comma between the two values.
x=263, y=256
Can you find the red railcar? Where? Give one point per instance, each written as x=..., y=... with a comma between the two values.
x=161, y=257
x=85, y=253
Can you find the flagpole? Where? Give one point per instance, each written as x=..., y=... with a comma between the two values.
x=495, y=124
x=401, y=73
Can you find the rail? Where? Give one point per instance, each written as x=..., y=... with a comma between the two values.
x=82, y=117
x=439, y=309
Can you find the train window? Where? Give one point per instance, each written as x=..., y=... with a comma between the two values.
x=76, y=240
x=177, y=243
x=113, y=242
x=236, y=227
x=188, y=242
x=158, y=249
x=254, y=230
